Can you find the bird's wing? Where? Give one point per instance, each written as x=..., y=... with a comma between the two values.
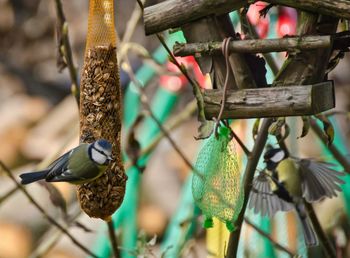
x=59, y=171
x=262, y=200
x=319, y=180
x=61, y=162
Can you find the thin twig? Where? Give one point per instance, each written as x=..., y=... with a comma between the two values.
x=113, y=238
x=195, y=85
x=332, y=148
x=241, y=144
x=264, y=234
x=140, y=4
x=52, y=235
x=172, y=124
x=145, y=102
x=43, y=164
x=170, y=139
x=8, y=194
x=327, y=246
x=336, y=112
x=129, y=32
x=132, y=23
x=253, y=34
x=65, y=49
x=44, y=213
x=174, y=60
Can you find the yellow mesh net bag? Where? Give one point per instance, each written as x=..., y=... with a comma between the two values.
x=100, y=110
x=101, y=24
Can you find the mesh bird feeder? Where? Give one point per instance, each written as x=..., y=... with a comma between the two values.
x=216, y=185
x=100, y=110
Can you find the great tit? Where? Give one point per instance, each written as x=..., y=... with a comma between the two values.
x=80, y=165
x=287, y=181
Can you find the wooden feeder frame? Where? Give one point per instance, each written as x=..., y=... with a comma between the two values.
x=244, y=99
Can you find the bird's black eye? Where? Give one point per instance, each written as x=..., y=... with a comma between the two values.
x=99, y=151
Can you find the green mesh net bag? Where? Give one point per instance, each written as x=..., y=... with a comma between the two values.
x=216, y=184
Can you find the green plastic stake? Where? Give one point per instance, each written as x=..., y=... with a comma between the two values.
x=182, y=224
x=163, y=103
x=265, y=225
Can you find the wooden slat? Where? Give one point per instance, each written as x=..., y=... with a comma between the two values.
x=175, y=13
x=271, y=101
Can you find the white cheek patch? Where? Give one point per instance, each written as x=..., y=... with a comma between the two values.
x=278, y=156
x=98, y=157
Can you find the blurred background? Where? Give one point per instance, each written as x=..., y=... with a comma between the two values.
x=39, y=120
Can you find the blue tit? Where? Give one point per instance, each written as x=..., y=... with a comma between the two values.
x=288, y=181
x=80, y=165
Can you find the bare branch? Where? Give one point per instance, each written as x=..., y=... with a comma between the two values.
x=52, y=235
x=252, y=163
x=262, y=233
x=65, y=50
x=132, y=22
x=172, y=124
x=243, y=146
x=44, y=213
x=195, y=85
x=145, y=102
x=8, y=194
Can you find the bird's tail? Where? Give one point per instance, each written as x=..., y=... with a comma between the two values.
x=308, y=230
x=31, y=177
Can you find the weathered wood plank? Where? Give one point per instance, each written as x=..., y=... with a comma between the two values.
x=174, y=13
x=271, y=101
x=335, y=8
x=254, y=45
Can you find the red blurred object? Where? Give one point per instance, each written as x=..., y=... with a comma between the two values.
x=176, y=82
x=260, y=23
x=287, y=21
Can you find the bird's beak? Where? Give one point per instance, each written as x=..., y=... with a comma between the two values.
x=110, y=159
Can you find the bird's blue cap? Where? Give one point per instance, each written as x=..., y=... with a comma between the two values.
x=104, y=144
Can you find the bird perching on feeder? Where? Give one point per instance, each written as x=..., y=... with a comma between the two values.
x=100, y=110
